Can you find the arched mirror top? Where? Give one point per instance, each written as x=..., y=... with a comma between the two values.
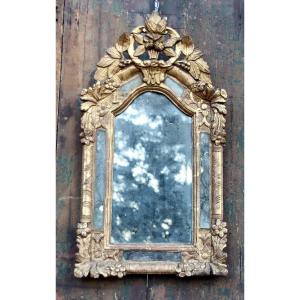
x=171, y=88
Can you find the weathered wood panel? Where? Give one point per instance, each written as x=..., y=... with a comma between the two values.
x=85, y=28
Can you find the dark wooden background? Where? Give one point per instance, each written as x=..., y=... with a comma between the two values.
x=85, y=29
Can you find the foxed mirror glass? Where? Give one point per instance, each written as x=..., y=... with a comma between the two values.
x=152, y=173
x=153, y=129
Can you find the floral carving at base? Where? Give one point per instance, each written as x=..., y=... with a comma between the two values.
x=219, y=242
x=209, y=257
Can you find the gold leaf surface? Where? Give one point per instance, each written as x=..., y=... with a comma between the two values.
x=187, y=45
x=100, y=74
x=195, y=55
x=203, y=66
x=123, y=42
x=139, y=50
x=170, y=52
x=114, y=53
x=138, y=38
x=105, y=61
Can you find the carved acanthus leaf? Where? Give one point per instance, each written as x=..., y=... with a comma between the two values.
x=218, y=104
x=195, y=55
x=193, y=61
x=95, y=108
x=114, y=59
x=153, y=75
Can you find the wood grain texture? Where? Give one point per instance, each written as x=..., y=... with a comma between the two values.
x=85, y=29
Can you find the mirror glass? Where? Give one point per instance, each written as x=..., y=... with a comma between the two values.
x=99, y=178
x=152, y=173
x=205, y=178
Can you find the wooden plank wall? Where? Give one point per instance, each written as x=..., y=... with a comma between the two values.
x=85, y=29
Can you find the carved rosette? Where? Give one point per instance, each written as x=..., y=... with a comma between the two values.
x=153, y=51
x=93, y=259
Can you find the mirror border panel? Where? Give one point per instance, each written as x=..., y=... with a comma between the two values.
x=105, y=99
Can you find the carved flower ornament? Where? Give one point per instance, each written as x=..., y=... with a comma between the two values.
x=185, y=269
x=156, y=23
x=152, y=39
x=219, y=228
x=83, y=229
x=154, y=48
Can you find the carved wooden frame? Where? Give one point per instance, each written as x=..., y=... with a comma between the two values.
x=152, y=53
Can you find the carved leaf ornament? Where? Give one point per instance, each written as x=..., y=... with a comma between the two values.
x=153, y=50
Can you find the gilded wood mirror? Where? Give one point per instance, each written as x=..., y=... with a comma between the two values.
x=153, y=129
